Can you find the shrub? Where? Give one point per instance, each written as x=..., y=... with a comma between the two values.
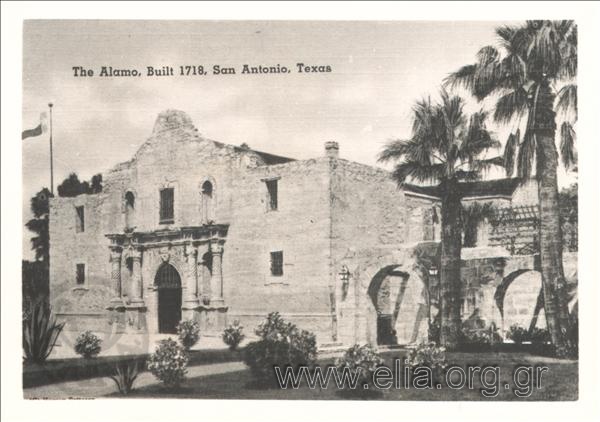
x=189, y=333
x=169, y=362
x=87, y=344
x=517, y=334
x=539, y=336
x=281, y=344
x=428, y=354
x=480, y=339
x=40, y=332
x=125, y=375
x=362, y=360
x=233, y=335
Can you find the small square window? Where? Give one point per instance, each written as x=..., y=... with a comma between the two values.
x=167, y=196
x=272, y=194
x=277, y=263
x=80, y=278
x=80, y=219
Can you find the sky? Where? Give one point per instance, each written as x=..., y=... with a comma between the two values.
x=379, y=69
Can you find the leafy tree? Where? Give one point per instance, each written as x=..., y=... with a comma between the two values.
x=445, y=148
x=72, y=186
x=39, y=224
x=523, y=75
x=35, y=275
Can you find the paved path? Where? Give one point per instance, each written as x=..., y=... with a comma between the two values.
x=102, y=386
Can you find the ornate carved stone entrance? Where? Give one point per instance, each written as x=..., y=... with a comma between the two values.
x=165, y=284
x=168, y=283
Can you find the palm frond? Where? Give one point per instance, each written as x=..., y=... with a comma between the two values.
x=418, y=172
x=509, y=105
x=482, y=166
x=487, y=54
x=568, y=152
x=463, y=77
x=412, y=150
x=566, y=100
x=393, y=150
x=467, y=175
x=510, y=150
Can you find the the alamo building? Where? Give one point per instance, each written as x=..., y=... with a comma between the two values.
x=190, y=228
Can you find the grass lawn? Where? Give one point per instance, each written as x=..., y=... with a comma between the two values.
x=560, y=382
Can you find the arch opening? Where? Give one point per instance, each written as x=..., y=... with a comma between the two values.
x=168, y=284
x=400, y=301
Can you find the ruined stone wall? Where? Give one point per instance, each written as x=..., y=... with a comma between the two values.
x=371, y=219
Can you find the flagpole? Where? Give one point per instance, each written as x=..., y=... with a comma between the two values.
x=51, y=160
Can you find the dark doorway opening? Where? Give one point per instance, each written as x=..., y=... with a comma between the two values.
x=386, y=334
x=168, y=282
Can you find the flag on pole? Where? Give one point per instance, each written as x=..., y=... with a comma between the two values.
x=38, y=130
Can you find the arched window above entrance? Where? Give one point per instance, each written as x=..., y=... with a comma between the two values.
x=207, y=201
x=129, y=209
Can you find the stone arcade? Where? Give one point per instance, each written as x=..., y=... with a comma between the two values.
x=190, y=228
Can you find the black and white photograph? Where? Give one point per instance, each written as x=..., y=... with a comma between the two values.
x=332, y=210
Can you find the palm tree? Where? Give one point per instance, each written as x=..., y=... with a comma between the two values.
x=444, y=148
x=536, y=63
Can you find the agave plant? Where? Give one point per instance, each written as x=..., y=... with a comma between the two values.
x=40, y=332
x=125, y=375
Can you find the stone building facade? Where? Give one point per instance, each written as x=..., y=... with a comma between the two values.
x=190, y=228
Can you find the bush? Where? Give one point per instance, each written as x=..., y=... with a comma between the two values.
x=281, y=344
x=517, y=334
x=539, y=336
x=428, y=354
x=362, y=359
x=169, y=362
x=233, y=335
x=125, y=375
x=480, y=339
x=40, y=332
x=189, y=333
x=87, y=344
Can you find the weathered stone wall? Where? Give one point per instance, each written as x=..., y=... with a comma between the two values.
x=371, y=220
x=177, y=156
x=300, y=227
x=69, y=248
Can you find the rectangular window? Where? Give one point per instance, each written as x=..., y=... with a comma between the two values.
x=166, y=205
x=272, y=193
x=80, y=274
x=277, y=263
x=80, y=219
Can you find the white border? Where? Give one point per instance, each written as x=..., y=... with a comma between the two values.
x=13, y=405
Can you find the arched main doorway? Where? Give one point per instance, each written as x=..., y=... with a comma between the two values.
x=401, y=305
x=168, y=283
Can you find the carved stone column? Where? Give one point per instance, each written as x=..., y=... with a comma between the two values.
x=190, y=300
x=136, y=278
x=216, y=280
x=116, y=307
x=115, y=273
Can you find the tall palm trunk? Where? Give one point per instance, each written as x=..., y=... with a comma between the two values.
x=450, y=284
x=553, y=278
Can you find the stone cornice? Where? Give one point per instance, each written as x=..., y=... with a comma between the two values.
x=163, y=237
